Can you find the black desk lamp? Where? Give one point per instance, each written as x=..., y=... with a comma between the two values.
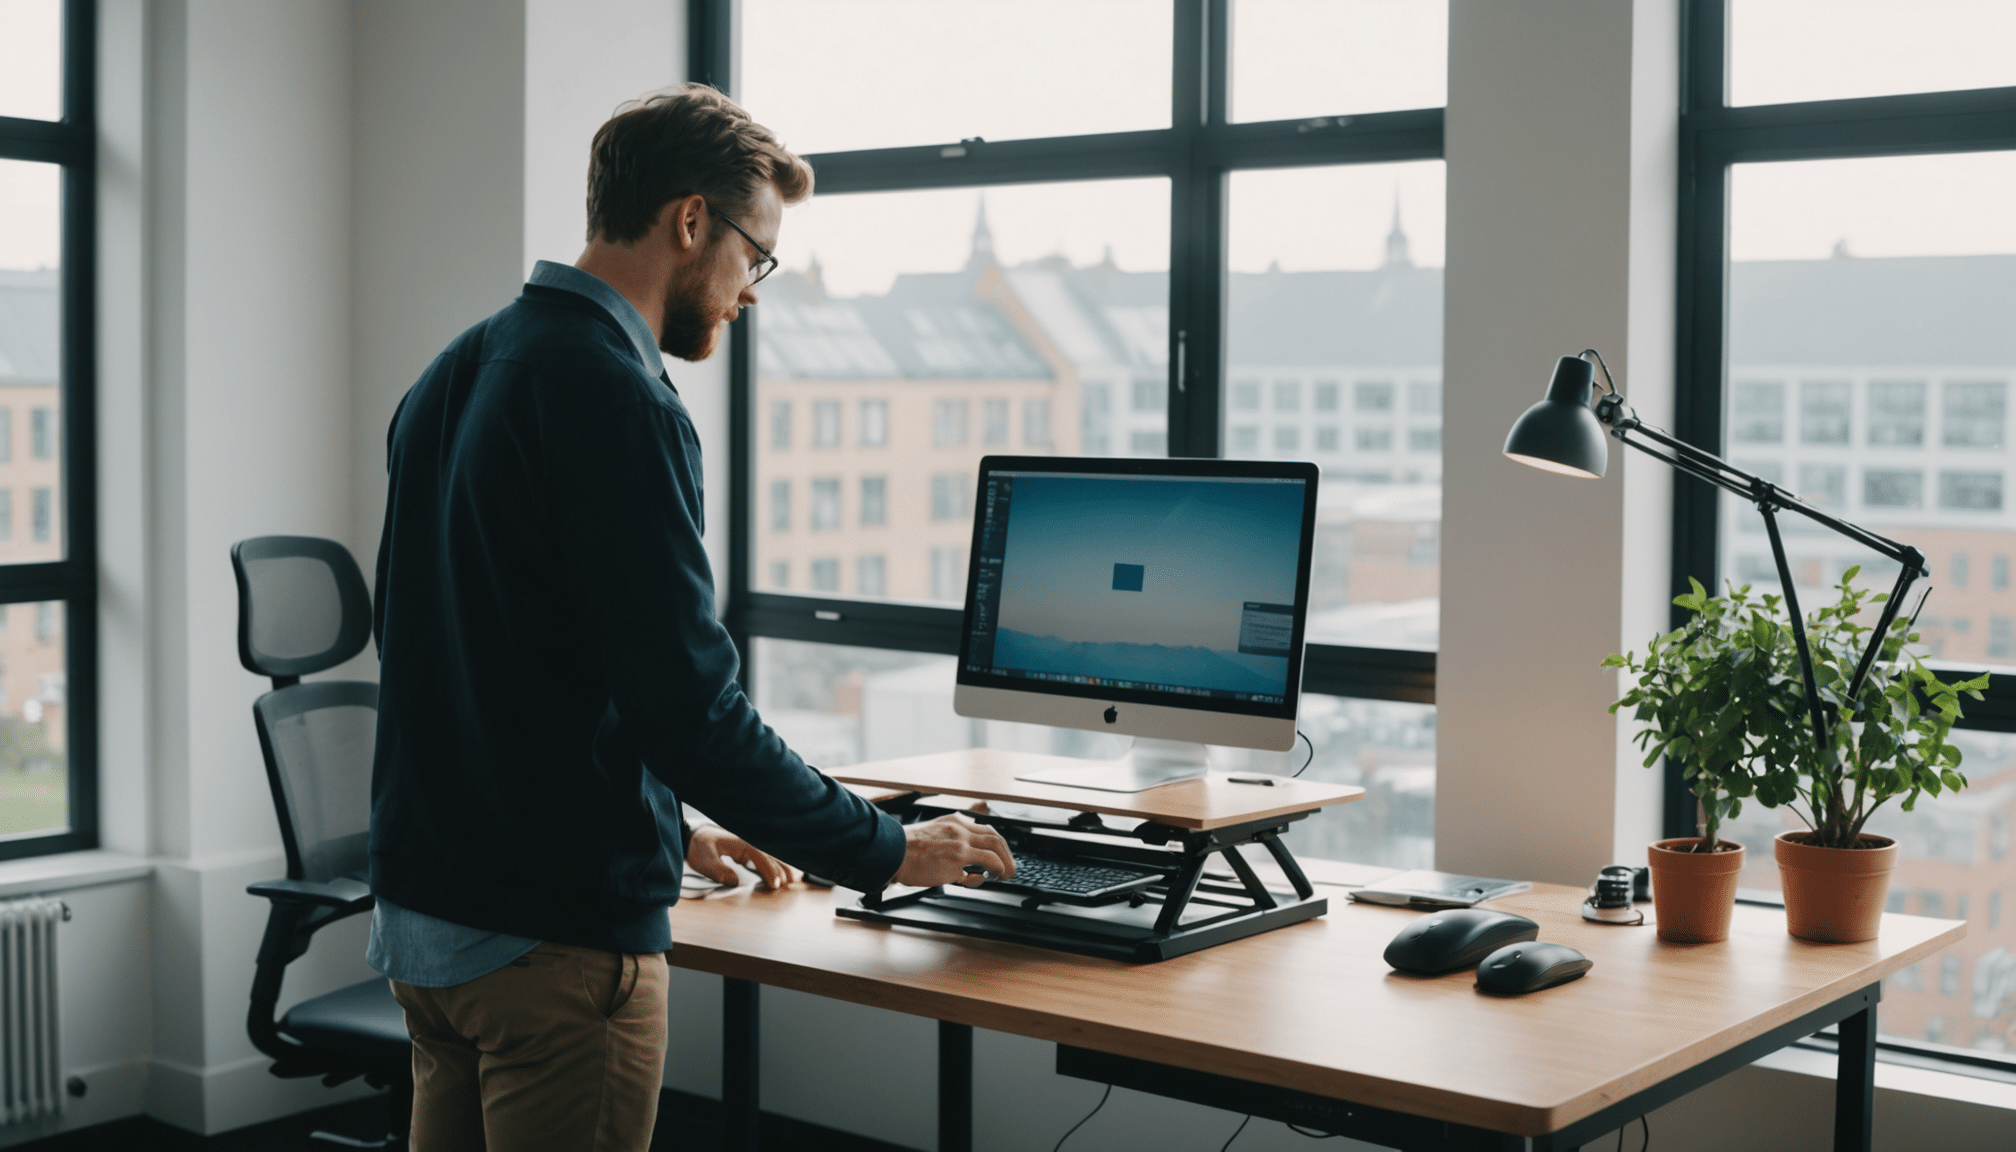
x=1564, y=434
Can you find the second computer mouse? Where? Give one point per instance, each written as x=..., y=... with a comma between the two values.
x=1457, y=938
x=1518, y=968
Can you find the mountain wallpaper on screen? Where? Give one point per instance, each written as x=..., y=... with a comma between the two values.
x=1189, y=667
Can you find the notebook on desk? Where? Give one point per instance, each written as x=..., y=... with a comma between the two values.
x=1428, y=889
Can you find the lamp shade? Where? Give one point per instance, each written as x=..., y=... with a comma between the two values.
x=1561, y=433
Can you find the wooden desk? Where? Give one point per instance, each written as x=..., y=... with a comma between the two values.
x=1289, y=1022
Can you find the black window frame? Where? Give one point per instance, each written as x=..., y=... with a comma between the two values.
x=1714, y=137
x=1197, y=154
x=71, y=143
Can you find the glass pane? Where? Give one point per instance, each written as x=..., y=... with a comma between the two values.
x=1788, y=50
x=831, y=77
x=1870, y=362
x=837, y=706
x=912, y=333
x=1955, y=862
x=1293, y=59
x=1334, y=354
x=34, y=771
x=31, y=523
x=31, y=59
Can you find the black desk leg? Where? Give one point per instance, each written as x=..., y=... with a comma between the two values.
x=1855, y=1082
x=955, y=1087
x=741, y=1056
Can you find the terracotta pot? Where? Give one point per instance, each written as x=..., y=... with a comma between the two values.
x=1693, y=893
x=1834, y=895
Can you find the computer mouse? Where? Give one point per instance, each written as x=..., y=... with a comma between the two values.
x=1518, y=968
x=1455, y=938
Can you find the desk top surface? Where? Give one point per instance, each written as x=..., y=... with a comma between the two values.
x=990, y=774
x=1313, y=1007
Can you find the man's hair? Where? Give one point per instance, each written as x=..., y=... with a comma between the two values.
x=674, y=143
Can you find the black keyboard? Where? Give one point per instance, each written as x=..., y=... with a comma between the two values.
x=1070, y=878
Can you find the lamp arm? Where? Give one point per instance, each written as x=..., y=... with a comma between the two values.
x=1770, y=498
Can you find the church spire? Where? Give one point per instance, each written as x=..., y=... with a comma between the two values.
x=983, y=238
x=1397, y=255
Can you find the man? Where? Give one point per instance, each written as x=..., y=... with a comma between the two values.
x=554, y=684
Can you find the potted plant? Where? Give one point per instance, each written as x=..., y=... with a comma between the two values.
x=1888, y=742
x=1713, y=696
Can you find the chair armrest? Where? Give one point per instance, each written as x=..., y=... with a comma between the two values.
x=342, y=893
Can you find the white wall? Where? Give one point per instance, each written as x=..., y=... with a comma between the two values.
x=302, y=203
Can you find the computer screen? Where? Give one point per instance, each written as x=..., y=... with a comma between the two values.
x=1153, y=597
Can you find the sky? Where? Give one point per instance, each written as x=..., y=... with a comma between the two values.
x=1208, y=549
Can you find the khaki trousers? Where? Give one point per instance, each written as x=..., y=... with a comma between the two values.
x=561, y=1050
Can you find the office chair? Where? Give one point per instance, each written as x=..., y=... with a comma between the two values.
x=303, y=608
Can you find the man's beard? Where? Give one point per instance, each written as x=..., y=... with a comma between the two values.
x=688, y=331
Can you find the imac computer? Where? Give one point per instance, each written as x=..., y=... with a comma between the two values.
x=1163, y=599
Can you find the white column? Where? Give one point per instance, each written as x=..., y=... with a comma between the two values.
x=1561, y=147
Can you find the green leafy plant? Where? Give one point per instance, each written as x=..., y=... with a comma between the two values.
x=1725, y=697
x=1713, y=697
x=1888, y=742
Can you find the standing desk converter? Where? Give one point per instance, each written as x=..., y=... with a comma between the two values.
x=1307, y=1024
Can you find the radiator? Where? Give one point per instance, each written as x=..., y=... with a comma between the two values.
x=31, y=1076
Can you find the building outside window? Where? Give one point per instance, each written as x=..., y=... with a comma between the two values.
x=1974, y=414
x=1897, y=413
x=948, y=573
x=825, y=424
x=6, y=514
x=780, y=425
x=825, y=574
x=874, y=426
x=780, y=574
x=869, y=574
x=1757, y=412
x=1959, y=568
x=42, y=433
x=1287, y=395
x=1036, y=424
x=6, y=435
x=951, y=496
x=42, y=516
x=780, y=506
x=874, y=502
x=1823, y=412
x=826, y=506
x=1372, y=397
x=994, y=423
x=948, y=423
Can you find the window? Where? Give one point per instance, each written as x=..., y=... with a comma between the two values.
x=1974, y=414
x=874, y=425
x=1002, y=273
x=1824, y=485
x=1978, y=491
x=1375, y=439
x=1893, y=488
x=48, y=685
x=951, y=496
x=825, y=575
x=1757, y=412
x=1824, y=282
x=780, y=574
x=42, y=433
x=780, y=506
x=826, y=506
x=874, y=501
x=1823, y=412
x=42, y=517
x=994, y=423
x=780, y=425
x=869, y=573
x=825, y=424
x=948, y=423
x=1036, y=423
x=1897, y=413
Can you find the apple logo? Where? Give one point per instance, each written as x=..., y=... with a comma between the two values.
x=1112, y=714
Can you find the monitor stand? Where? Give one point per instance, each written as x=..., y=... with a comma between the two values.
x=1151, y=764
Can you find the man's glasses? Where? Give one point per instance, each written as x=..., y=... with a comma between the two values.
x=765, y=264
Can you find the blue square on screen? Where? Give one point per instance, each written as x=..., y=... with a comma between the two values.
x=1127, y=577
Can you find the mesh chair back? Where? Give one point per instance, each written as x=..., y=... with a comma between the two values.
x=318, y=740
x=302, y=605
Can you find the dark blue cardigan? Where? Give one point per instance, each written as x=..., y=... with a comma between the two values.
x=553, y=679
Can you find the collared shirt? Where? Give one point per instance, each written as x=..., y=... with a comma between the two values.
x=427, y=951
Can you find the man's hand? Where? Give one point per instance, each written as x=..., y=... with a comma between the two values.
x=713, y=847
x=938, y=851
